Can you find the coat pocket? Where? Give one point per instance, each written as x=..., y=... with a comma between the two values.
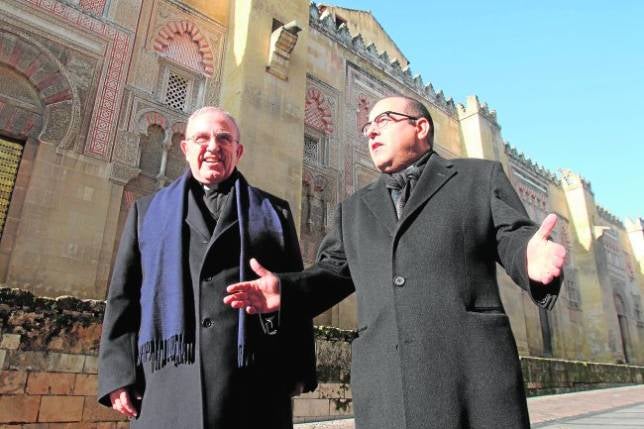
x=485, y=309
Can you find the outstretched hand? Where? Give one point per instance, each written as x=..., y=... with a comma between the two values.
x=545, y=257
x=258, y=296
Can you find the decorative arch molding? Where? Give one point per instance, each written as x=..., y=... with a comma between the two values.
x=362, y=111
x=149, y=118
x=183, y=42
x=60, y=105
x=317, y=111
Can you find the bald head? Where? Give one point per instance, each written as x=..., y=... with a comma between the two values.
x=415, y=108
x=400, y=130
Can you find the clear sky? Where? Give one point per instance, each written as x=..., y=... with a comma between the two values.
x=565, y=77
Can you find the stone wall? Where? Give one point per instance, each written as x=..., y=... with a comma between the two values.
x=48, y=378
x=48, y=366
x=48, y=359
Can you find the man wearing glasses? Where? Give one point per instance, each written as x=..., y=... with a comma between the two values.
x=419, y=247
x=172, y=355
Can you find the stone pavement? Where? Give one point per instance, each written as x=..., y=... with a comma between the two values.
x=629, y=417
x=619, y=408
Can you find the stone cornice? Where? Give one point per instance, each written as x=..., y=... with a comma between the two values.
x=325, y=23
x=531, y=166
x=606, y=215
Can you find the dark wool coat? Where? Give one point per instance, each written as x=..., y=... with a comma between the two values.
x=435, y=349
x=211, y=392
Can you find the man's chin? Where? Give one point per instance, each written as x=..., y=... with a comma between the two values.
x=212, y=178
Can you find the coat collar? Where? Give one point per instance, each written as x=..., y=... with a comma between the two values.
x=379, y=202
x=227, y=218
x=377, y=198
x=435, y=174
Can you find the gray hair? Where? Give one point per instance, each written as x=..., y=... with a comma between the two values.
x=214, y=109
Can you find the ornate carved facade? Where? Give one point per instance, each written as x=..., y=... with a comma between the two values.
x=95, y=96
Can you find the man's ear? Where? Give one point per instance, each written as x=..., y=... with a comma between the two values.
x=422, y=128
x=184, y=146
x=240, y=150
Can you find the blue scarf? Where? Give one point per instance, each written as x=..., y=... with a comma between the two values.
x=166, y=333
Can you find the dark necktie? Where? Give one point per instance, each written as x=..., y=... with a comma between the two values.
x=401, y=184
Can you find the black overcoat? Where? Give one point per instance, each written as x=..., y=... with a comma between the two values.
x=211, y=392
x=434, y=347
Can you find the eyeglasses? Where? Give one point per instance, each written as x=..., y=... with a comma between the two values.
x=384, y=119
x=222, y=138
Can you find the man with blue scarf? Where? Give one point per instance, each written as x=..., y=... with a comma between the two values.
x=172, y=355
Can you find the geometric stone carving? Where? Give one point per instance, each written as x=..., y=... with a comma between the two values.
x=126, y=149
x=95, y=7
x=116, y=59
x=362, y=115
x=182, y=42
x=51, y=87
x=282, y=43
x=179, y=128
x=121, y=174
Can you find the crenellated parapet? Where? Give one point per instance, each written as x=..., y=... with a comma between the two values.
x=608, y=216
x=570, y=179
x=528, y=164
x=634, y=224
x=326, y=23
x=474, y=106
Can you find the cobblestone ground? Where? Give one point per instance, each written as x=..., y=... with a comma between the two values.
x=619, y=408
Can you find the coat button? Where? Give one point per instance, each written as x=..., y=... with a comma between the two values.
x=206, y=323
x=399, y=281
x=209, y=278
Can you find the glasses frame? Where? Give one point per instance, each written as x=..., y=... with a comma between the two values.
x=214, y=135
x=379, y=124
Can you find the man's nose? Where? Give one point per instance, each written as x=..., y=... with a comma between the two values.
x=372, y=131
x=212, y=145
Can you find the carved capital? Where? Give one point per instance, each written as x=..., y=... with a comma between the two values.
x=121, y=174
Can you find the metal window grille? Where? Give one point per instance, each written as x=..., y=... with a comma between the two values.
x=10, y=154
x=176, y=91
x=311, y=150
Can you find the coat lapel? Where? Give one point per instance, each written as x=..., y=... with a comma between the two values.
x=194, y=218
x=435, y=174
x=228, y=217
x=378, y=200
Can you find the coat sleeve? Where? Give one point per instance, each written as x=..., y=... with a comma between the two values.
x=118, y=348
x=298, y=337
x=513, y=230
x=322, y=285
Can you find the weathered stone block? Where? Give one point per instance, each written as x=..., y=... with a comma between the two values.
x=19, y=408
x=93, y=412
x=61, y=408
x=50, y=383
x=10, y=342
x=12, y=382
x=91, y=365
x=310, y=407
x=86, y=384
x=26, y=360
x=3, y=354
x=64, y=362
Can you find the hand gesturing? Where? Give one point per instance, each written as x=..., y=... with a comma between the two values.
x=258, y=296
